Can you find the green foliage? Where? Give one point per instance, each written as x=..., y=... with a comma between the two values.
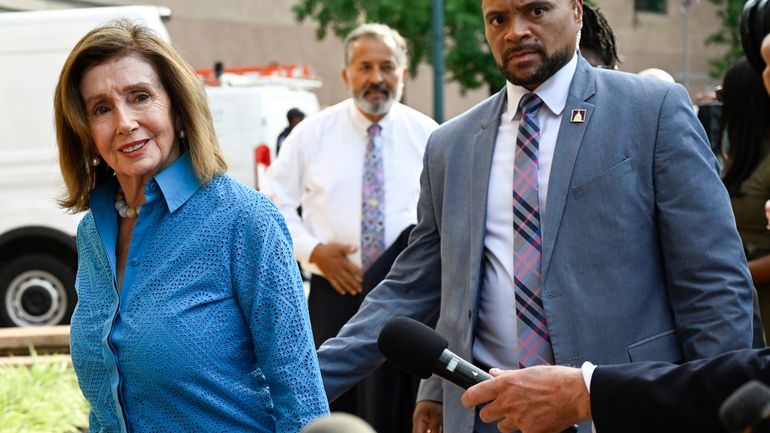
x=41, y=398
x=467, y=57
x=728, y=35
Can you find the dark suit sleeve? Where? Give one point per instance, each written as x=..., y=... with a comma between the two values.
x=380, y=268
x=658, y=397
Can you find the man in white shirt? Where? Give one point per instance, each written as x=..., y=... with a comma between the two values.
x=354, y=170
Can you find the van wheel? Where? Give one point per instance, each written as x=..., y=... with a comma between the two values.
x=36, y=290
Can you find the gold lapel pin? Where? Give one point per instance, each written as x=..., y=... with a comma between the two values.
x=578, y=115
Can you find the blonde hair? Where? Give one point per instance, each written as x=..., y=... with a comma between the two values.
x=76, y=146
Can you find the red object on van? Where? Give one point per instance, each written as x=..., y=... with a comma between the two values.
x=262, y=155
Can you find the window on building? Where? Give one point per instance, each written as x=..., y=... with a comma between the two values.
x=658, y=6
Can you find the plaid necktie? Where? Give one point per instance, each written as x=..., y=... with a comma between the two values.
x=534, y=342
x=372, y=201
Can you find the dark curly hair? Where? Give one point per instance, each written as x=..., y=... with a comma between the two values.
x=597, y=39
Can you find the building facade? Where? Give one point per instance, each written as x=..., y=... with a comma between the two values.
x=649, y=33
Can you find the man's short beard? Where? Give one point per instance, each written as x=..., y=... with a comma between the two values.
x=551, y=64
x=378, y=107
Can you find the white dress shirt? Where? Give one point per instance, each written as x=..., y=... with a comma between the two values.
x=495, y=343
x=320, y=168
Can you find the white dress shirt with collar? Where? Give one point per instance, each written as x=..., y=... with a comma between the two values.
x=320, y=168
x=495, y=341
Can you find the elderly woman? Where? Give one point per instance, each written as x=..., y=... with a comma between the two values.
x=191, y=314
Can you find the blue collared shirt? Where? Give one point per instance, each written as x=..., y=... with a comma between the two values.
x=210, y=331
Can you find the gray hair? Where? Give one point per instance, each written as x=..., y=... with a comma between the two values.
x=378, y=31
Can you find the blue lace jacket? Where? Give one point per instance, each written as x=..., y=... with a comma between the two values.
x=210, y=332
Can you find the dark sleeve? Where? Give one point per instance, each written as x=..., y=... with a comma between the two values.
x=658, y=397
x=380, y=268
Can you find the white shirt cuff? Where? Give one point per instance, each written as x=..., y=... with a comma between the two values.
x=588, y=372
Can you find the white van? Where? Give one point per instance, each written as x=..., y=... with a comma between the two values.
x=249, y=116
x=38, y=257
x=37, y=246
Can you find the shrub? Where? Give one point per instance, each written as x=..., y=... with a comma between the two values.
x=41, y=398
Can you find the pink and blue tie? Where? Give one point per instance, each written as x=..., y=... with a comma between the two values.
x=372, y=201
x=533, y=339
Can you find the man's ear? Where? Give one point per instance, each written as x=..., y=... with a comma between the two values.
x=345, y=77
x=577, y=8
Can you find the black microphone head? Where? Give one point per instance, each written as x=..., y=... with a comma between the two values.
x=745, y=407
x=411, y=346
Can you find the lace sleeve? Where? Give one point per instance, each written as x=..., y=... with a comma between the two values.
x=272, y=298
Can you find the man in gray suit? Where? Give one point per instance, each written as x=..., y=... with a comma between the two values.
x=575, y=215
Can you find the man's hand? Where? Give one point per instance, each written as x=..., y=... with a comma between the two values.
x=427, y=417
x=332, y=260
x=545, y=399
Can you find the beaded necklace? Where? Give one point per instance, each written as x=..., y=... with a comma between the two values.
x=124, y=210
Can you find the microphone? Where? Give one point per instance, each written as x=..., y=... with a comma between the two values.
x=747, y=410
x=421, y=351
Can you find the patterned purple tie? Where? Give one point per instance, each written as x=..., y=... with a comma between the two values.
x=534, y=342
x=372, y=201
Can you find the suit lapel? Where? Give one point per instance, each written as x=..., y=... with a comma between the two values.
x=567, y=145
x=482, y=149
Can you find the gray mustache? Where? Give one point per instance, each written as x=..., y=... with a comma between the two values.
x=379, y=87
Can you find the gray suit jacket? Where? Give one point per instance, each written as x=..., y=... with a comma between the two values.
x=641, y=258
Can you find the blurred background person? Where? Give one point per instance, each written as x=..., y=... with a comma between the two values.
x=597, y=41
x=708, y=106
x=354, y=168
x=294, y=116
x=657, y=73
x=191, y=314
x=745, y=124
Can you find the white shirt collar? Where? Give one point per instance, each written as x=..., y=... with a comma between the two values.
x=553, y=91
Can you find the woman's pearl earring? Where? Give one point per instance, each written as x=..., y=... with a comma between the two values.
x=96, y=161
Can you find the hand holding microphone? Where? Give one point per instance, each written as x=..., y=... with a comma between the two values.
x=545, y=399
x=534, y=400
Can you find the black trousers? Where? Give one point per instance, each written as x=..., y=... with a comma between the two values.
x=328, y=313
